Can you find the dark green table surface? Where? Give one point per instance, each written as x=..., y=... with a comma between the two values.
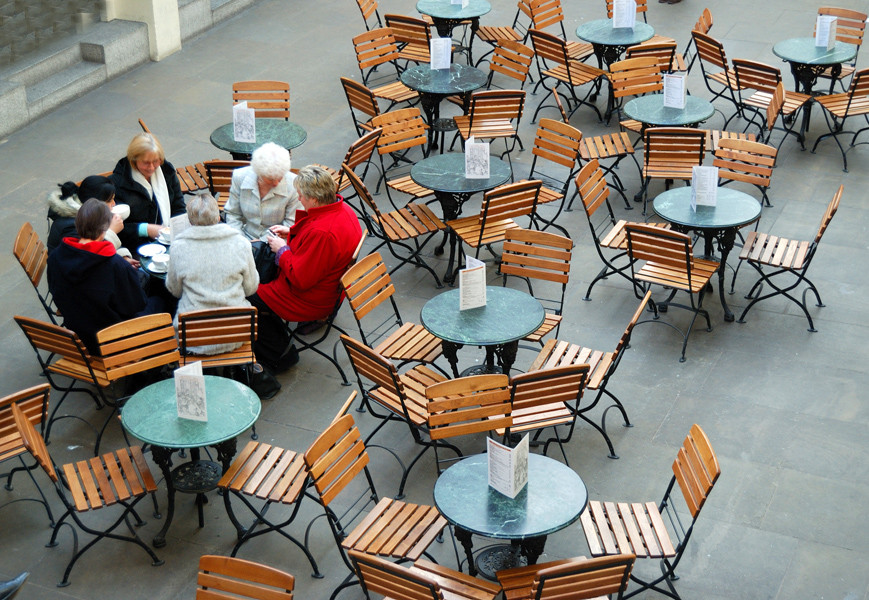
x=601, y=31
x=732, y=209
x=650, y=110
x=446, y=173
x=804, y=51
x=455, y=80
x=285, y=134
x=554, y=498
x=443, y=9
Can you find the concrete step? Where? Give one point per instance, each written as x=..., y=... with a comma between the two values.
x=73, y=81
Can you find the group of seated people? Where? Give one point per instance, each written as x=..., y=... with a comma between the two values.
x=296, y=223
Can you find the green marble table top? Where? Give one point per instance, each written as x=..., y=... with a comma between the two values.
x=446, y=173
x=804, y=51
x=650, y=109
x=509, y=315
x=443, y=9
x=732, y=209
x=553, y=499
x=601, y=31
x=285, y=134
x=457, y=79
x=151, y=414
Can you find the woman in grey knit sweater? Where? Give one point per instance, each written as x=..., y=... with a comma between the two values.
x=212, y=265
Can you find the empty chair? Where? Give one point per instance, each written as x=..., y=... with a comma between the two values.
x=363, y=105
x=32, y=255
x=218, y=174
x=839, y=107
x=401, y=131
x=670, y=153
x=668, y=60
x=369, y=8
x=413, y=37
x=497, y=35
x=576, y=578
x=717, y=74
x=756, y=87
x=358, y=154
x=850, y=26
x=493, y=114
x=703, y=25
x=218, y=327
x=669, y=262
x=746, y=162
x=632, y=77
x=548, y=13
x=775, y=113
x=376, y=53
x=121, y=478
x=220, y=576
x=787, y=261
x=509, y=59
x=602, y=366
x=270, y=99
x=695, y=472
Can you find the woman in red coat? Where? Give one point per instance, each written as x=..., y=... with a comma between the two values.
x=311, y=261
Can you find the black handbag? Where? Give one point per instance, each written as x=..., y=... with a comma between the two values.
x=264, y=259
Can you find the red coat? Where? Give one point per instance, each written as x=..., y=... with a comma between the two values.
x=321, y=245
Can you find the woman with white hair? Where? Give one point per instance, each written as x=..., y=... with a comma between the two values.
x=262, y=196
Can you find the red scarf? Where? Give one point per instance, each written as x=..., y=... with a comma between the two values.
x=102, y=247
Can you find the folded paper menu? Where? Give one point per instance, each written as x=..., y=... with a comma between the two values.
x=674, y=91
x=472, y=284
x=243, y=123
x=463, y=3
x=508, y=467
x=190, y=392
x=441, y=51
x=476, y=159
x=825, y=31
x=624, y=14
x=704, y=186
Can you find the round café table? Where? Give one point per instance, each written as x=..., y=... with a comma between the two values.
x=719, y=223
x=447, y=15
x=508, y=316
x=444, y=174
x=650, y=111
x=151, y=415
x=554, y=498
x=433, y=85
x=609, y=42
x=285, y=134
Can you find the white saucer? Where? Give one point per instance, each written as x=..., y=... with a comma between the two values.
x=151, y=250
x=151, y=268
x=161, y=240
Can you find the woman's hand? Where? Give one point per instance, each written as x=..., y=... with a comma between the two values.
x=117, y=224
x=280, y=230
x=133, y=262
x=153, y=231
x=276, y=243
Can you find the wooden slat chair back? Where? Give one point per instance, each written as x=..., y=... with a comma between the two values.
x=496, y=35
x=746, y=162
x=839, y=107
x=362, y=102
x=639, y=528
x=33, y=258
x=671, y=153
x=774, y=256
x=138, y=345
x=757, y=83
x=405, y=231
x=850, y=27
x=511, y=59
x=143, y=126
x=368, y=8
x=548, y=398
x=413, y=36
x=775, y=112
x=555, y=162
x=338, y=458
x=423, y=581
x=358, y=153
x=270, y=99
x=218, y=173
x=116, y=478
x=403, y=130
x=368, y=287
x=578, y=578
x=554, y=62
x=664, y=53
x=375, y=49
x=633, y=77
x=548, y=13
x=493, y=114
x=500, y=207
x=716, y=70
x=33, y=403
x=703, y=25
x=217, y=326
x=540, y=256
x=642, y=9
x=602, y=366
x=669, y=262
x=223, y=577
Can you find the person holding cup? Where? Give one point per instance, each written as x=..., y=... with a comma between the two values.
x=93, y=287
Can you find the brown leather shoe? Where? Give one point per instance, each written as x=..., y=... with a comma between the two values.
x=673, y=1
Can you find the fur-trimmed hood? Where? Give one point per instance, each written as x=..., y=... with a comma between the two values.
x=62, y=207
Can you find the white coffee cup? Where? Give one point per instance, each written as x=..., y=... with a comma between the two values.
x=160, y=263
x=165, y=235
x=122, y=210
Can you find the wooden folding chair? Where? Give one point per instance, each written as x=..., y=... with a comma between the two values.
x=603, y=365
x=746, y=162
x=218, y=174
x=402, y=131
x=496, y=35
x=717, y=74
x=368, y=8
x=548, y=13
x=423, y=581
x=785, y=257
x=229, y=332
x=380, y=527
x=638, y=528
x=33, y=402
x=669, y=262
x=376, y=48
x=578, y=578
x=839, y=107
x=493, y=114
x=756, y=87
x=405, y=232
x=362, y=102
x=668, y=59
x=269, y=99
x=546, y=399
x=632, y=77
x=413, y=36
x=116, y=478
x=224, y=577
x=32, y=255
x=670, y=153
x=543, y=257
x=703, y=25
x=850, y=26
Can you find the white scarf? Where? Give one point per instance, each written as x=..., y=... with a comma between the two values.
x=157, y=189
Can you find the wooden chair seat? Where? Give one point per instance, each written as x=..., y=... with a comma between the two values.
x=406, y=185
x=579, y=50
x=516, y=583
x=396, y=529
x=79, y=370
x=415, y=383
x=633, y=528
x=793, y=101
x=666, y=275
x=266, y=472
x=837, y=104
x=575, y=72
x=608, y=145
x=192, y=178
x=763, y=248
x=632, y=125
x=469, y=230
x=548, y=195
x=725, y=78
x=395, y=92
x=577, y=578
x=456, y=585
x=550, y=322
x=410, y=222
x=714, y=136
x=494, y=34
x=109, y=479
x=410, y=342
x=491, y=128
x=539, y=417
x=557, y=353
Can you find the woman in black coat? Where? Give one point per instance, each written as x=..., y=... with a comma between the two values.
x=146, y=182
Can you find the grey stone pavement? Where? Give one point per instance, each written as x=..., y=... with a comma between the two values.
x=782, y=407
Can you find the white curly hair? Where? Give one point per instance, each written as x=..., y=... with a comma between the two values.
x=270, y=161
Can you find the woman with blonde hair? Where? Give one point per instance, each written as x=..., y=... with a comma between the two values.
x=146, y=182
